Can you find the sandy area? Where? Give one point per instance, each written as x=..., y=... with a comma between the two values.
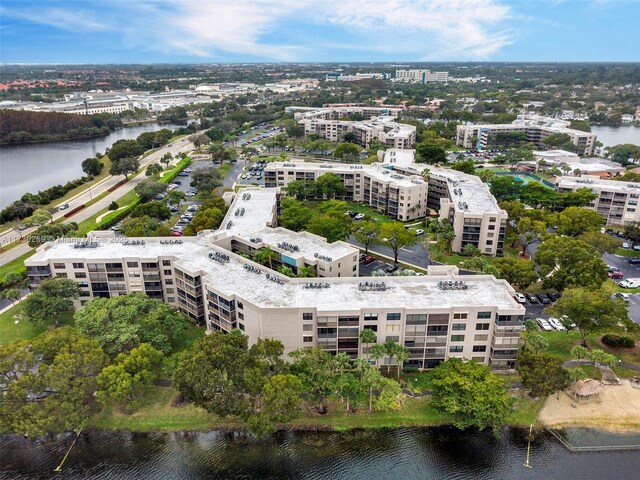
x=616, y=408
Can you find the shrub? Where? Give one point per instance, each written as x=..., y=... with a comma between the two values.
x=618, y=341
x=114, y=206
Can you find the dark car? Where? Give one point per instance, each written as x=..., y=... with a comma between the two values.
x=634, y=260
x=391, y=268
x=544, y=299
x=553, y=296
x=369, y=259
x=616, y=275
x=363, y=257
x=532, y=299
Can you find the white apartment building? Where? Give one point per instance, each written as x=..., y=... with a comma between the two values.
x=379, y=122
x=417, y=75
x=463, y=199
x=535, y=128
x=398, y=195
x=438, y=316
x=617, y=201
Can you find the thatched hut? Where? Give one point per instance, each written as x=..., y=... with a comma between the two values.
x=586, y=388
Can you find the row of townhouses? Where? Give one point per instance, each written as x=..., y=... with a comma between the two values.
x=209, y=278
x=534, y=127
x=380, y=123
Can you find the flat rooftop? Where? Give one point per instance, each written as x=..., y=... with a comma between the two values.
x=592, y=182
x=468, y=189
x=259, y=206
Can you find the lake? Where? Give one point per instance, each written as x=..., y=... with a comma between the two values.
x=610, y=136
x=37, y=166
x=429, y=453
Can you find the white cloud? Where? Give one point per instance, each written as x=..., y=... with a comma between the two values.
x=406, y=29
x=76, y=20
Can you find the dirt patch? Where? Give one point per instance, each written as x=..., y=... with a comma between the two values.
x=617, y=408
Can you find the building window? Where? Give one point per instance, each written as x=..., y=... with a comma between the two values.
x=456, y=349
x=241, y=316
x=307, y=316
x=240, y=305
x=457, y=338
x=61, y=275
x=393, y=328
x=132, y=264
x=307, y=338
x=393, y=316
x=482, y=326
x=167, y=272
x=484, y=314
x=58, y=265
x=241, y=326
x=81, y=275
x=78, y=265
x=459, y=316
x=166, y=263
x=171, y=299
x=481, y=338
x=479, y=348
x=492, y=227
x=168, y=281
x=305, y=328
x=370, y=317
x=458, y=326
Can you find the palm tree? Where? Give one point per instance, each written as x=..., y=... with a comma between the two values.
x=265, y=256
x=367, y=337
x=304, y=272
x=565, y=168
x=402, y=355
x=391, y=349
x=377, y=352
x=577, y=172
x=286, y=271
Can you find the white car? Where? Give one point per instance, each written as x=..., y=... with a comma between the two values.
x=544, y=325
x=520, y=298
x=64, y=206
x=626, y=245
x=556, y=323
x=419, y=232
x=359, y=216
x=191, y=194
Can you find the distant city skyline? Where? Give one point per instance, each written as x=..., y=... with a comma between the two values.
x=187, y=31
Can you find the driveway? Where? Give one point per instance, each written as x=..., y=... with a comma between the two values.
x=413, y=254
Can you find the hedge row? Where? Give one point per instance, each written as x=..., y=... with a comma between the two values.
x=618, y=341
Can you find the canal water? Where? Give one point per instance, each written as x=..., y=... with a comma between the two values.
x=610, y=136
x=431, y=453
x=37, y=166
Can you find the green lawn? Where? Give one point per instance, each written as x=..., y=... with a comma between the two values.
x=627, y=252
x=24, y=329
x=15, y=266
x=357, y=207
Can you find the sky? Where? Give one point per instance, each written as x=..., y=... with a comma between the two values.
x=211, y=31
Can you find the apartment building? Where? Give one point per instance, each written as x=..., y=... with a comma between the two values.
x=438, y=316
x=418, y=75
x=400, y=196
x=463, y=199
x=534, y=128
x=617, y=201
x=333, y=123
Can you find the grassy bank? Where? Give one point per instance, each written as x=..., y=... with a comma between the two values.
x=10, y=331
x=15, y=266
x=159, y=414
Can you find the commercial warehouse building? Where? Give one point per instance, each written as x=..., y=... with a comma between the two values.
x=532, y=128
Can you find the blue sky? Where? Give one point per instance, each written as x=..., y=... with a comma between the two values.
x=209, y=31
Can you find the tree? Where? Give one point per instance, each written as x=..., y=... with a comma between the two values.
x=52, y=231
x=49, y=382
x=367, y=337
x=154, y=170
x=206, y=179
x=266, y=256
x=574, y=221
x=144, y=226
x=402, y=355
x=301, y=189
x=556, y=140
x=148, y=189
x=219, y=153
x=330, y=186
x=113, y=206
x=209, y=216
x=199, y=140
x=166, y=159
x=530, y=231
x=295, y=216
x=124, y=166
x=542, y=373
x=331, y=227
x=38, y=218
x=130, y=376
x=317, y=371
x=92, y=166
x=175, y=197
x=519, y=273
x=632, y=232
x=537, y=195
x=367, y=233
x=470, y=394
x=427, y=152
x=157, y=210
x=565, y=262
x=124, y=149
x=395, y=236
x=285, y=270
x=506, y=187
x=52, y=297
x=282, y=397
x=11, y=294
x=122, y=323
x=624, y=153
x=578, y=198
x=219, y=374
x=465, y=166
x=347, y=151
x=444, y=232
x=602, y=242
x=533, y=342
x=590, y=310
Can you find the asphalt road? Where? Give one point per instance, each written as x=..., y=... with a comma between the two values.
x=413, y=254
x=182, y=145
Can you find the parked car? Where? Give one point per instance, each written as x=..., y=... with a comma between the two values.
x=556, y=324
x=192, y=208
x=634, y=260
x=612, y=268
x=183, y=174
x=391, y=268
x=363, y=256
x=419, y=232
x=532, y=299
x=626, y=245
x=624, y=296
x=359, y=216
x=544, y=299
x=191, y=194
x=544, y=324
x=616, y=275
x=520, y=298
x=369, y=259
x=630, y=283
x=176, y=233
x=553, y=296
